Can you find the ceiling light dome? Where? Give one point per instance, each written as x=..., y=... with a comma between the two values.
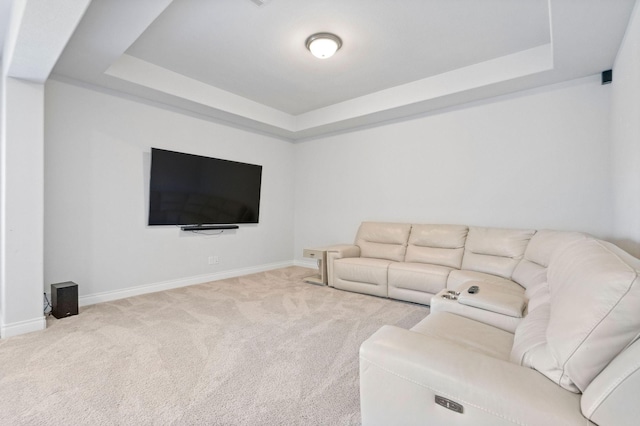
x=323, y=45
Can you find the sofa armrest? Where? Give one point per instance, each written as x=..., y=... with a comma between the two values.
x=495, y=301
x=612, y=397
x=401, y=372
x=338, y=252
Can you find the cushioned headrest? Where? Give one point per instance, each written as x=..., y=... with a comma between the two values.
x=383, y=240
x=595, y=309
x=495, y=251
x=437, y=244
x=532, y=269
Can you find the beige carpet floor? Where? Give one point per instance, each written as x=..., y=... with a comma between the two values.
x=262, y=349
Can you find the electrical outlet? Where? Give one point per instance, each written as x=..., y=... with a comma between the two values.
x=210, y=260
x=216, y=260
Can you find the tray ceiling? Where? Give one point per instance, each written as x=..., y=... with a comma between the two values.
x=246, y=63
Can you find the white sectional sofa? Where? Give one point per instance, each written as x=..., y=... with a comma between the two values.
x=550, y=338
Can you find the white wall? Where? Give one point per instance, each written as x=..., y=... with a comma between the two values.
x=96, y=195
x=538, y=159
x=625, y=138
x=21, y=207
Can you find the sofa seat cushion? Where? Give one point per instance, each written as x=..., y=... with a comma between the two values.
x=460, y=280
x=467, y=333
x=362, y=275
x=416, y=282
x=418, y=276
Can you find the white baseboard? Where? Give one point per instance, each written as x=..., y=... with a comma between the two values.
x=22, y=327
x=182, y=282
x=311, y=264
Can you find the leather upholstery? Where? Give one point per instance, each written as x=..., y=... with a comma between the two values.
x=612, y=397
x=362, y=275
x=495, y=251
x=416, y=282
x=339, y=251
x=595, y=309
x=437, y=245
x=383, y=240
x=579, y=333
x=530, y=334
x=467, y=333
x=459, y=280
x=586, y=317
x=425, y=259
x=494, y=301
x=499, y=321
x=402, y=371
x=532, y=269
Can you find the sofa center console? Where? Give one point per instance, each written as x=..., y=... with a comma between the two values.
x=478, y=296
x=486, y=305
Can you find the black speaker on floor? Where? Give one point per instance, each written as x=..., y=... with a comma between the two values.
x=64, y=299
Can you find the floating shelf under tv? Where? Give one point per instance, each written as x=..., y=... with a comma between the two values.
x=207, y=227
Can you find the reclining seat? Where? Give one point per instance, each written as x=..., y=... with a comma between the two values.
x=490, y=256
x=433, y=252
x=380, y=245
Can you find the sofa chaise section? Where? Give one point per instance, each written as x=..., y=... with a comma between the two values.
x=402, y=372
x=573, y=360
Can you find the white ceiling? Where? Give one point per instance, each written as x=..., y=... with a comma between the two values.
x=247, y=65
x=259, y=52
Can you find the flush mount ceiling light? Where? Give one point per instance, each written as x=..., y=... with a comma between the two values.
x=323, y=45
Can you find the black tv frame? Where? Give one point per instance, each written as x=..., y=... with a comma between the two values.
x=249, y=215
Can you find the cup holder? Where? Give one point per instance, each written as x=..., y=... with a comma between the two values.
x=451, y=295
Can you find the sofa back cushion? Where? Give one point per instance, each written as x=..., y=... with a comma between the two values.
x=383, y=240
x=531, y=333
x=532, y=269
x=494, y=250
x=437, y=244
x=594, y=310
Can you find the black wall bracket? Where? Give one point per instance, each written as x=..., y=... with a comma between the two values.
x=207, y=227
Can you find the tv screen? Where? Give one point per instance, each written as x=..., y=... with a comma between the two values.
x=187, y=189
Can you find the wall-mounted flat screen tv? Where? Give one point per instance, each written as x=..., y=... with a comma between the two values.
x=187, y=189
